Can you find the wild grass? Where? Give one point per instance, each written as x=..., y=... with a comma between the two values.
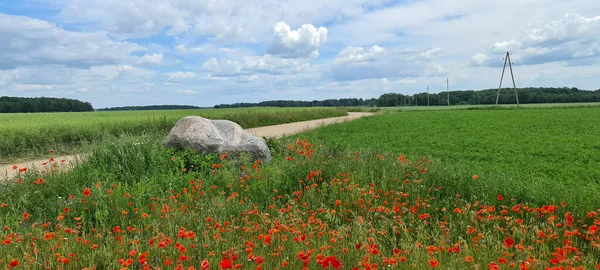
x=536, y=155
x=27, y=135
x=135, y=204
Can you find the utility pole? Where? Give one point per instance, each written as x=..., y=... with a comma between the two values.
x=507, y=59
x=448, y=91
x=427, y=95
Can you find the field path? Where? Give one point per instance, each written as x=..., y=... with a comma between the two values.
x=276, y=131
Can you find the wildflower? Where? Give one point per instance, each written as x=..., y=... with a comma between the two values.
x=500, y=197
x=226, y=264
x=14, y=167
x=475, y=177
x=434, y=263
x=87, y=192
x=469, y=259
x=205, y=265
x=493, y=266
x=26, y=216
x=509, y=242
x=13, y=263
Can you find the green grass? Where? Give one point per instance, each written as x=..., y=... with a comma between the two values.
x=356, y=208
x=500, y=106
x=536, y=155
x=28, y=135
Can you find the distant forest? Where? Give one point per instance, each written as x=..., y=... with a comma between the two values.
x=466, y=97
x=43, y=104
x=344, y=102
x=150, y=107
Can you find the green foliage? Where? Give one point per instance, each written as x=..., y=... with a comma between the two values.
x=529, y=95
x=43, y=104
x=150, y=108
x=343, y=102
x=536, y=155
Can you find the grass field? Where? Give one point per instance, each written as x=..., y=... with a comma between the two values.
x=344, y=199
x=536, y=155
x=27, y=135
x=476, y=107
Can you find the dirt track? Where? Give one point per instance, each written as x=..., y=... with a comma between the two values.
x=276, y=131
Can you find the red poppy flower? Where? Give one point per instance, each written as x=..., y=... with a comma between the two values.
x=509, y=242
x=226, y=264
x=434, y=263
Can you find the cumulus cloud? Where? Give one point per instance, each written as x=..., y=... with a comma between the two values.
x=28, y=41
x=154, y=59
x=571, y=39
x=359, y=54
x=184, y=50
x=357, y=63
x=302, y=42
x=254, y=64
x=179, y=76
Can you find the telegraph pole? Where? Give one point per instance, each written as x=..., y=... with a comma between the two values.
x=448, y=91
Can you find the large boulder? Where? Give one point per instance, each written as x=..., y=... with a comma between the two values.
x=216, y=136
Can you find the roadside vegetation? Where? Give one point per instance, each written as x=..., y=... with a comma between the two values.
x=31, y=135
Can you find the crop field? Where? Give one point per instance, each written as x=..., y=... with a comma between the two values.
x=464, y=189
x=26, y=134
x=536, y=155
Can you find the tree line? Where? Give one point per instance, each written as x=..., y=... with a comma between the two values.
x=343, y=102
x=529, y=95
x=463, y=97
x=150, y=107
x=42, y=104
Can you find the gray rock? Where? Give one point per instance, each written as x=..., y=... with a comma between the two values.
x=216, y=136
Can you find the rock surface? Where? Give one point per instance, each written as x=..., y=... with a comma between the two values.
x=216, y=136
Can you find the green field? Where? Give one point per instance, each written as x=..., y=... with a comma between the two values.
x=28, y=134
x=342, y=199
x=476, y=107
x=536, y=155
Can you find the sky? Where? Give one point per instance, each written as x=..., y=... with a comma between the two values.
x=207, y=52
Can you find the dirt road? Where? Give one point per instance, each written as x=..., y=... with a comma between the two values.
x=276, y=131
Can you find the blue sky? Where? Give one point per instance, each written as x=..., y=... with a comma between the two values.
x=142, y=52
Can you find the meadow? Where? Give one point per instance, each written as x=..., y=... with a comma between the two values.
x=537, y=155
x=402, y=190
x=25, y=135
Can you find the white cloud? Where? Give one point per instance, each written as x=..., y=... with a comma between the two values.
x=184, y=50
x=179, y=76
x=154, y=59
x=357, y=63
x=82, y=90
x=179, y=27
x=571, y=39
x=187, y=92
x=359, y=54
x=31, y=87
x=28, y=41
x=255, y=64
x=303, y=42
